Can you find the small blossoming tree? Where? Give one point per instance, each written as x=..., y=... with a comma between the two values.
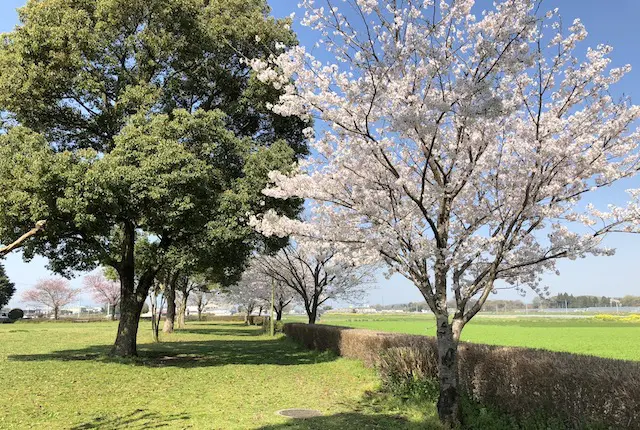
x=248, y=292
x=53, y=293
x=457, y=148
x=104, y=291
x=315, y=272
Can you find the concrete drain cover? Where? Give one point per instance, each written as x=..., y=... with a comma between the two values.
x=299, y=413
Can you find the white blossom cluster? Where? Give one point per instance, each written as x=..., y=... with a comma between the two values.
x=454, y=147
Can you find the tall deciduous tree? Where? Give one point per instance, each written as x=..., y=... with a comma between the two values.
x=53, y=293
x=247, y=293
x=103, y=291
x=138, y=124
x=455, y=147
x=7, y=288
x=315, y=272
x=282, y=296
x=194, y=283
x=201, y=298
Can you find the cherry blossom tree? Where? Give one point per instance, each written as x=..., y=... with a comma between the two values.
x=53, y=293
x=283, y=296
x=316, y=272
x=200, y=298
x=103, y=290
x=457, y=148
x=249, y=291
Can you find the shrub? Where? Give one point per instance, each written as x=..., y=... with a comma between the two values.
x=278, y=326
x=577, y=390
x=16, y=314
x=408, y=372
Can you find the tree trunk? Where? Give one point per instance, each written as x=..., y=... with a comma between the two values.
x=56, y=311
x=171, y=307
x=113, y=313
x=130, y=309
x=182, y=310
x=313, y=315
x=131, y=298
x=278, y=314
x=130, y=305
x=312, y=309
x=448, y=401
x=199, y=314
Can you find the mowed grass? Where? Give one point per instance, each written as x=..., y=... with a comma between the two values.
x=611, y=339
x=208, y=376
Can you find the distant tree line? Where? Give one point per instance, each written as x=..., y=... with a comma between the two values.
x=559, y=301
x=573, y=302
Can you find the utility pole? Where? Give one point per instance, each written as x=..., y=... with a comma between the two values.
x=273, y=294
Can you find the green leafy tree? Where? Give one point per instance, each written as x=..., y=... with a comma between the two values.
x=7, y=288
x=135, y=127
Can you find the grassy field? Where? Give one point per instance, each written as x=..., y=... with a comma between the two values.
x=228, y=376
x=209, y=376
x=612, y=339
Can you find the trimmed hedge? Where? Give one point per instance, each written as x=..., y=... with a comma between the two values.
x=577, y=389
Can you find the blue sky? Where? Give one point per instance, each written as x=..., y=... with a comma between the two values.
x=614, y=22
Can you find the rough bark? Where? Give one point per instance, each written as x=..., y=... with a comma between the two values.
x=56, y=312
x=312, y=309
x=132, y=297
x=130, y=309
x=170, y=317
x=312, y=314
x=448, y=400
x=278, y=314
x=182, y=310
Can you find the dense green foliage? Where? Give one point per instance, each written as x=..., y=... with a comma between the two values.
x=136, y=130
x=570, y=301
x=16, y=314
x=7, y=288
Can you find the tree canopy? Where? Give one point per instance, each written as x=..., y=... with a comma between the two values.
x=456, y=147
x=133, y=127
x=7, y=288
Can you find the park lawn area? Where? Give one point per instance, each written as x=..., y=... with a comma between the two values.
x=611, y=339
x=208, y=376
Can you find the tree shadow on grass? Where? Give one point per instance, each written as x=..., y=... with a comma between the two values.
x=353, y=420
x=194, y=354
x=245, y=331
x=138, y=419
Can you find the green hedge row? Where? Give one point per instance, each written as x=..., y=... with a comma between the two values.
x=578, y=390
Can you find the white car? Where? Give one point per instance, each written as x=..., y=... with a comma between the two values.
x=4, y=318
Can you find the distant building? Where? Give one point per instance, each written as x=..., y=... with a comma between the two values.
x=364, y=310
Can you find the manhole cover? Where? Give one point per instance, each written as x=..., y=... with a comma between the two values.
x=299, y=413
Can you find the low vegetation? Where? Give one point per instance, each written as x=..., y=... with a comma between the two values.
x=569, y=390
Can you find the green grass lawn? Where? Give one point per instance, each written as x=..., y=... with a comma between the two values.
x=612, y=339
x=209, y=376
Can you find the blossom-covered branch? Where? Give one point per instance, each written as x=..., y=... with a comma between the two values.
x=456, y=147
